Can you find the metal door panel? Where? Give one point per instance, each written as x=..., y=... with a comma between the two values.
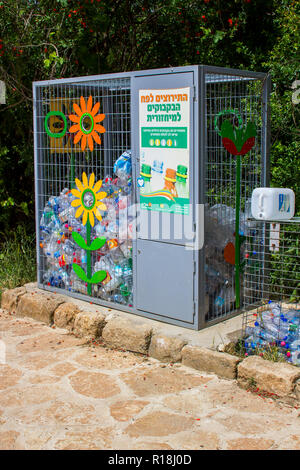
x=165, y=280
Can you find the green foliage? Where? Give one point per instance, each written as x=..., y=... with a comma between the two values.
x=17, y=259
x=46, y=39
x=283, y=63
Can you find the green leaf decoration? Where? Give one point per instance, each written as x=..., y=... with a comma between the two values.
x=79, y=240
x=97, y=277
x=250, y=131
x=96, y=244
x=80, y=272
x=227, y=130
x=238, y=136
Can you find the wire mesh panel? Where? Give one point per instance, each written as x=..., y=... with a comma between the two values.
x=272, y=284
x=84, y=237
x=239, y=100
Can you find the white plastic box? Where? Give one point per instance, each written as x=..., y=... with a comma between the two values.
x=273, y=203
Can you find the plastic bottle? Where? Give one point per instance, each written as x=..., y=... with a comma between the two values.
x=181, y=182
x=122, y=166
x=114, y=250
x=253, y=342
x=119, y=299
x=294, y=348
x=157, y=181
x=273, y=203
x=126, y=248
x=146, y=175
x=170, y=179
x=225, y=297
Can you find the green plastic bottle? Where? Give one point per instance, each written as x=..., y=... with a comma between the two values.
x=146, y=175
x=181, y=182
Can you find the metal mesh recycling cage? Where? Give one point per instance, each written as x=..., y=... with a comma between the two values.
x=142, y=184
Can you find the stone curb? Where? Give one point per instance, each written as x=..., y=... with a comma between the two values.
x=135, y=334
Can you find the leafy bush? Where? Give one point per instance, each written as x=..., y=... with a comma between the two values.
x=17, y=260
x=66, y=38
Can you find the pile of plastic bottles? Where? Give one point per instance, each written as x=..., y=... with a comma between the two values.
x=115, y=257
x=219, y=233
x=275, y=326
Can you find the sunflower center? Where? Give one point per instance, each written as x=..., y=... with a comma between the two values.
x=86, y=123
x=88, y=199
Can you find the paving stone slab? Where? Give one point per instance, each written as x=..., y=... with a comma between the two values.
x=222, y=364
x=273, y=377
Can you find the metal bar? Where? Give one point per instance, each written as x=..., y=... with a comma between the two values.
x=237, y=231
x=266, y=131
x=200, y=199
x=36, y=182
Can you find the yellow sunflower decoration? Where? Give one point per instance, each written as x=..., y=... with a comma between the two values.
x=88, y=199
x=87, y=123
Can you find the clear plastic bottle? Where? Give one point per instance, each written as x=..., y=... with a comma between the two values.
x=157, y=181
x=294, y=348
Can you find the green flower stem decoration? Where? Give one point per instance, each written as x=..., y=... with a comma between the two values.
x=237, y=140
x=88, y=204
x=88, y=246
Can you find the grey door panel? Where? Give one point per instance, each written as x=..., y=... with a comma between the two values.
x=165, y=280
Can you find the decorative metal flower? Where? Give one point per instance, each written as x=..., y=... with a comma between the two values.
x=238, y=141
x=88, y=199
x=87, y=123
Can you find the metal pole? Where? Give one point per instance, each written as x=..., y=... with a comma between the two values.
x=237, y=231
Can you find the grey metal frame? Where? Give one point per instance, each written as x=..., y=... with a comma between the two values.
x=199, y=125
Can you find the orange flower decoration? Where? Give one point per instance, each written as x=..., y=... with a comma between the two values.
x=87, y=123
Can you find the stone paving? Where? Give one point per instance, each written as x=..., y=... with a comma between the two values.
x=59, y=392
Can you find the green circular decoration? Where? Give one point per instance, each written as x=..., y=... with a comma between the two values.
x=82, y=128
x=228, y=111
x=86, y=200
x=56, y=135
